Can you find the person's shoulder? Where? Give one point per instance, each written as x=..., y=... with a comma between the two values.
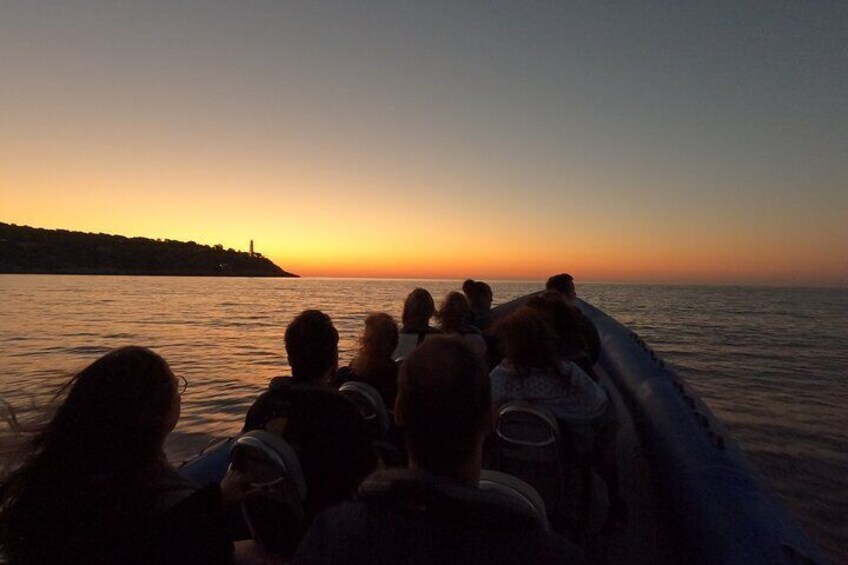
x=281, y=390
x=502, y=369
x=335, y=535
x=332, y=407
x=470, y=330
x=345, y=374
x=551, y=547
x=284, y=397
x=384, y=372
x=326, y=397
x=532, y=545
x=268, y=404
x=277, y=387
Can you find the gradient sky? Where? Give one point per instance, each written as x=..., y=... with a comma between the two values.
x=663, y=142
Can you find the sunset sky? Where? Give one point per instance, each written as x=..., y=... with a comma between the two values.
x=656, y=142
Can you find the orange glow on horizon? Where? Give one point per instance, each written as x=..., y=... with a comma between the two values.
x=309, y=227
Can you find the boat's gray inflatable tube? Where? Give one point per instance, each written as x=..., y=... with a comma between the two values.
x=718, y=506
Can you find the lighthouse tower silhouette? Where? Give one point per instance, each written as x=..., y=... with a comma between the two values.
x=251, y=248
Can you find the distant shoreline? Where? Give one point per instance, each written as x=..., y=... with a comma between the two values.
x=26, y=250
x=192, y=275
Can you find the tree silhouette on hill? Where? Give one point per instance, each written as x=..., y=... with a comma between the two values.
x=24, y=249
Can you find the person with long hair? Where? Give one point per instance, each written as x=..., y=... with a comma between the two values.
x=418, y=309
x=534, y=370
x=373, y=363
x=453, y=315
x=93, y=485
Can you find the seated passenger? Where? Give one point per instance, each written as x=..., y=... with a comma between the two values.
x=433, y=512
x=479, y=296
x=567, y=323
x=453, y=314
x=373, y=363
x=563, y=283
x=325, y=429
x=94, y=485
x=534, y=371
x=417, y=311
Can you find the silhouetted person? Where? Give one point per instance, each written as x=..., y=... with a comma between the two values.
x=534, y=371
x=325, y=429
x=563, y=283
x=479, y=296
x=373, y=363
x=569, y=327
x=453, y=315
x=433, y=512
x=95, y=486
x=418, y=309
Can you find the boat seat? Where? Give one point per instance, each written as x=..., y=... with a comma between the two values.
x=273, y=510
x=518, y=491
x=370, y=405
x=527, y=445
x=377, y=419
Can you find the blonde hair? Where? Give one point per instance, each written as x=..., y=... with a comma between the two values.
x=377, y=343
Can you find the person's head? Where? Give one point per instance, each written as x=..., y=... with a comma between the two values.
x=479, y=296
x=467, y=285
x=527, y=341
x=562, y=283
x=312, y=346
x=128, y=395
x=95, y=461
x=378, y=342
x=418, y=308
x=454, y=312
x=556, y=310
x=444, y=403
x=116, y=411
x=483, y=296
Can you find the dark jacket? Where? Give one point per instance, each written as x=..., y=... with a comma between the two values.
x=383, y=379
x=191, y=531
x=404, y=516
x=327, y=432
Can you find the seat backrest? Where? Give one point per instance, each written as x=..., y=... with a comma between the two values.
x=273, y=509
x=524, y=496
x=527, y=445
x=370, y=405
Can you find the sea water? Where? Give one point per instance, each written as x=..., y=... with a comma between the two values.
x=770, y=362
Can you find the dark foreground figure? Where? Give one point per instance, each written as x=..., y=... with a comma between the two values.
x=95, y=486
x=325, y=429
x=433, y=512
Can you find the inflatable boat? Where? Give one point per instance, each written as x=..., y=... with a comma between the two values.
x=692, y=495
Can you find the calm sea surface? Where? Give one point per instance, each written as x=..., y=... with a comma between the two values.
x=772, y=363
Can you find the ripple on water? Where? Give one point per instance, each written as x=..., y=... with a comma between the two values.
x=771, y=363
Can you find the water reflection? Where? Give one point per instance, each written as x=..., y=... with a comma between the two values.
x=771, y=363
